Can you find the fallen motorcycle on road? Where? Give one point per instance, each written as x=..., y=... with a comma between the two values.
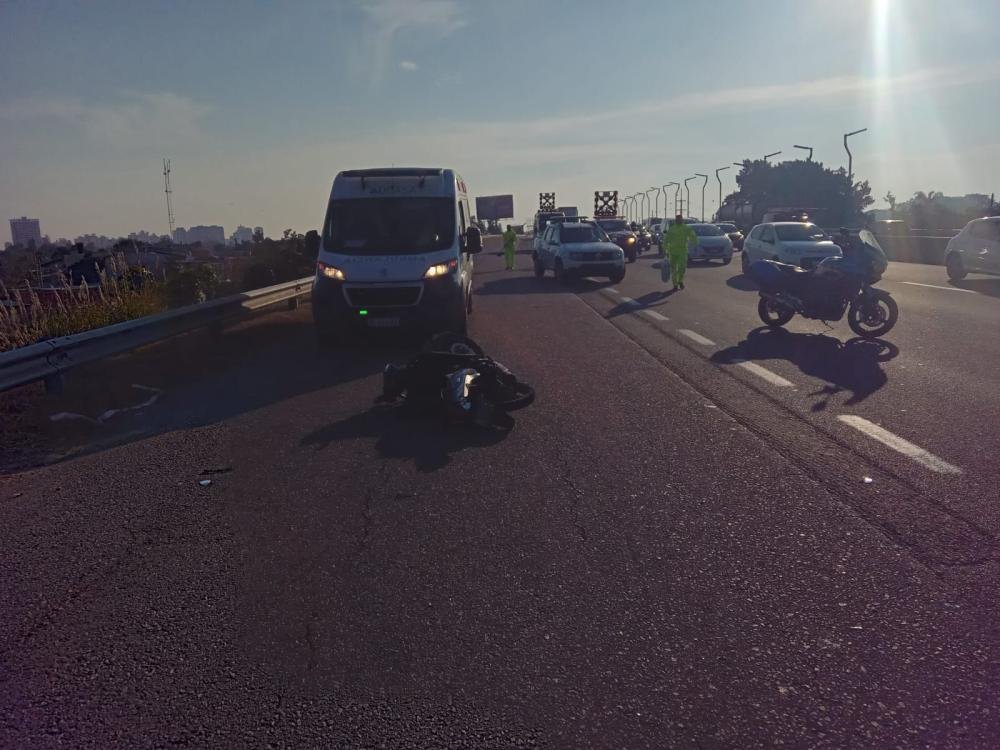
x=835, y=286
x=453, y=377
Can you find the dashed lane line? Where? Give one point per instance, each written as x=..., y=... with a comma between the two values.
x=935, y=286
x=696, y=337
x=762, y=372
x=897, y=443
x=654, y=315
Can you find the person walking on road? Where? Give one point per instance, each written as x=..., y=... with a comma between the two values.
x=509, y=245
x=675, y=244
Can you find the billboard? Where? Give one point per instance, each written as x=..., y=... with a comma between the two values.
x=495, y=207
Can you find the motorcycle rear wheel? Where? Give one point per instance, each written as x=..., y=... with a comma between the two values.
x=873, y=317
x=774, y=313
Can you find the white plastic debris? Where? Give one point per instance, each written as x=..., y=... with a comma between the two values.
x=868, y=480
x=205, y=482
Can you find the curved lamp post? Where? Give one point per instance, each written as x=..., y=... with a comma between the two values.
x=669, y=184
x=850, y=158
x=687, y=191
x=720, y=169
x=699, y=174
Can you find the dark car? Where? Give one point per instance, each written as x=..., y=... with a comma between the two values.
x=734, y=233
x=622, y=235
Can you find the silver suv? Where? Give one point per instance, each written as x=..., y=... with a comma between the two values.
x=578, y=249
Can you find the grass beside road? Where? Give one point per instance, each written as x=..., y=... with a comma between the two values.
x=26, y=320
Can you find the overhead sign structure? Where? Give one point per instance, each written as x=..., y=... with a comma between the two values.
x=495, y=207
x=605, y=203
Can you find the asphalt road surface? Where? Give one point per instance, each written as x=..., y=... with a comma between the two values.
x=702, y=534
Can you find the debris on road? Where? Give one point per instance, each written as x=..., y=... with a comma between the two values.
x=155, y=394
x=220, y=470
x=868, y=480
x=205, y=482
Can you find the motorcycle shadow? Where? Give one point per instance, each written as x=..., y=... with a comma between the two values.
x=406, y=434
x=853, y=367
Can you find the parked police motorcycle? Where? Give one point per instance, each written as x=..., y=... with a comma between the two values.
x=834, y=286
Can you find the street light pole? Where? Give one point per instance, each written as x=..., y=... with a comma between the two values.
x=687, y=191
x=699, y=174
x=649, y=203
x=677, y=196
x=768, y=156
x=656, y=203
x=850, y=158
x=806, y=148
x=720, y=169
x=669, y=184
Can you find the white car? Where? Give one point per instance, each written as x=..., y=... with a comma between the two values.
x=713, y=244
x=975, y=249
x=795, y=242
x=571, y=249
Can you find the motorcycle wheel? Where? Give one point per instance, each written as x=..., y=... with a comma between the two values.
x=874, y=316
x=774, y=313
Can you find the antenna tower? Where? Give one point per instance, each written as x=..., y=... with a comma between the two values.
x=168, y=191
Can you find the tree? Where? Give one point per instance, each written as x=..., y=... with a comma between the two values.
x=891, y=200
x=834, y=199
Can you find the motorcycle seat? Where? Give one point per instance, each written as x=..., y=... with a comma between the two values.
x=789, y=269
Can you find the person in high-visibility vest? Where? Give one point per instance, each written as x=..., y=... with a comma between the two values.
x=675, y=242
x=509, y=245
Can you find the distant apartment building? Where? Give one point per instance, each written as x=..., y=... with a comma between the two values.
x=25, y=231
x=242, y=235
x=148, y=237
x=206, y=235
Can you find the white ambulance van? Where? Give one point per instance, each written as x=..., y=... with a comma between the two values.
x=395, y=252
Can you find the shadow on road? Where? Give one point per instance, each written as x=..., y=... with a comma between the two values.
x=199, y=379
x=989, y=286
x=428, y=441
x=854, y=366
x=742, y=282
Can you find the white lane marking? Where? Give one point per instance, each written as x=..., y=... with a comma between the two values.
x=897, y=443
x=613, y=290
x=696, y=337
x=655, y=315
x=762, y=372
x=629, y=301
x=935, y=286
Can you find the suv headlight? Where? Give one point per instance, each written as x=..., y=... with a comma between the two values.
x=441, y=269
x=329, y=271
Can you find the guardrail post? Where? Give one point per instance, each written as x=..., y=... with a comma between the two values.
x=54, y=383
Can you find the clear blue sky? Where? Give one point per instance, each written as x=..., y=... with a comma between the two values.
x=259, y=104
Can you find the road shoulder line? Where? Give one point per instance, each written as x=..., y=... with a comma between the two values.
x=891, y=440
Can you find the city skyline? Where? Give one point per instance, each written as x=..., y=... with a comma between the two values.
x=254, y=136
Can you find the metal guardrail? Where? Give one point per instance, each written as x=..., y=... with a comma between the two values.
x=49, y=360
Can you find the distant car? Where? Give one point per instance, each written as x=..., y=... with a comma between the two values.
x=797, y=243
x=976, y=249
x=735, y=235
x=579, y=249
x=620, y=233
x=713, y=244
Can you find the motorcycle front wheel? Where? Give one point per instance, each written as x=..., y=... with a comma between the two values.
x=774, y=313
x=873, y=315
